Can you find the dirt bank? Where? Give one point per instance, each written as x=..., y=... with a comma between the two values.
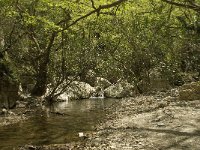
x=148, y=122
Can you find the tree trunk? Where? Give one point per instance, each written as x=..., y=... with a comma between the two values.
x=41, y=81
x=42, y=77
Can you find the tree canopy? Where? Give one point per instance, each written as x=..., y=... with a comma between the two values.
x=47, y=42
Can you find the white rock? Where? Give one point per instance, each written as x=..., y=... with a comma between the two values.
x=81, y=134
x=120, y=90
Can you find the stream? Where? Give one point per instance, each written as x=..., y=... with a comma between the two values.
x=51, y=128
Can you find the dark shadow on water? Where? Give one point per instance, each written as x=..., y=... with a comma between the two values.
x=45, y=127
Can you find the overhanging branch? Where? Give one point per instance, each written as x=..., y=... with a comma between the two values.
x=97, y=10
x=192, y=6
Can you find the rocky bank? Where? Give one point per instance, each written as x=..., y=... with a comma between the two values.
x=163, y=121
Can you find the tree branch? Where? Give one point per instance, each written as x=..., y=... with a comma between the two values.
x=35, y=41
x=189, y=6
x=101, y=7
x=92, y=1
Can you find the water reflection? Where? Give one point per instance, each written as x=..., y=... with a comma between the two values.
x=47, y=127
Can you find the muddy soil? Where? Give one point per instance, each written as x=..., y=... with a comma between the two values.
x=158, y=122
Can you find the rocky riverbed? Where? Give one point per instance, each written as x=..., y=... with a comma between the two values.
x=11, y=117
x=147, y=123
x=24, y=109
x=159, y=121
x=144, y=123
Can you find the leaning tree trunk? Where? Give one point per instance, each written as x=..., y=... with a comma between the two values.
x=42, y=76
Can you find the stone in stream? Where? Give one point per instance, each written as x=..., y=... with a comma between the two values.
x=120, y=89
x=82, y=135
x=4, y=111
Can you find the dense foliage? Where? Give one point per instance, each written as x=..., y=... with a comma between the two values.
x=47, y=42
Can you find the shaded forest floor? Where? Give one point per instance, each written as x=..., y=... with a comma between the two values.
x=156, y=122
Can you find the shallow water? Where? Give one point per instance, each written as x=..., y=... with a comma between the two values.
x=50, y=128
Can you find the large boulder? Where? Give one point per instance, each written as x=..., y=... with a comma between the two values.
x=101, y=82
x=190, y=91
x=77, y=90
x=119, y=90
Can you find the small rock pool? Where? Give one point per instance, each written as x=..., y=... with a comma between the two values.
x=54, y=128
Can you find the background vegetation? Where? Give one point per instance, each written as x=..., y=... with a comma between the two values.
x=49, y=41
